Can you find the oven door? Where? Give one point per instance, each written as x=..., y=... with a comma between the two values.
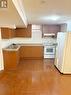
x=49, y=50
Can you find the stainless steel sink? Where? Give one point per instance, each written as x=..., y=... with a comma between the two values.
x=12, y=46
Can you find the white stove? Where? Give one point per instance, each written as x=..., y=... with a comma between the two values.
x=49, y=49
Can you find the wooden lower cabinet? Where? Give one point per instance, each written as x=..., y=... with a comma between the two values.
x=31, y=52
x=11, y=59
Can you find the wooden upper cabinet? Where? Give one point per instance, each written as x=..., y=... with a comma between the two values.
x=24, y=32
x=51, y=29
x=7, y=33
x=12, y=33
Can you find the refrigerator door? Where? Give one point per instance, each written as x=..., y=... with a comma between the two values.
x=61, y=39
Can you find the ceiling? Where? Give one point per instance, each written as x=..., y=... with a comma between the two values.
x=10, y=17
x=38, y=10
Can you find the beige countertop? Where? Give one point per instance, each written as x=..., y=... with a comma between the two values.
x=30, y=44
x=16, y=47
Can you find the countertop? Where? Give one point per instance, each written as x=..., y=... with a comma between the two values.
x=16, y=47
x=30, y=44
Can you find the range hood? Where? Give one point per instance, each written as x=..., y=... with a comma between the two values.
x=48, y=34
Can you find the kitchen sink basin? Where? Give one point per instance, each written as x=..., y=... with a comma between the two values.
x=12, y=46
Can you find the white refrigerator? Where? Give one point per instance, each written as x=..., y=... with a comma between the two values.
x=63, y=52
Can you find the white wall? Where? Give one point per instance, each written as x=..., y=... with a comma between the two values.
x=69, y=26
x=64, y=27
x=26, y=41
x=35, y=39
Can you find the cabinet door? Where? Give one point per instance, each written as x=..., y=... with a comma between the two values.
x=11, y=33
x=7, y=33
x=37, y=51
x=11, y=59
x=31, y=52
x=23, y=32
